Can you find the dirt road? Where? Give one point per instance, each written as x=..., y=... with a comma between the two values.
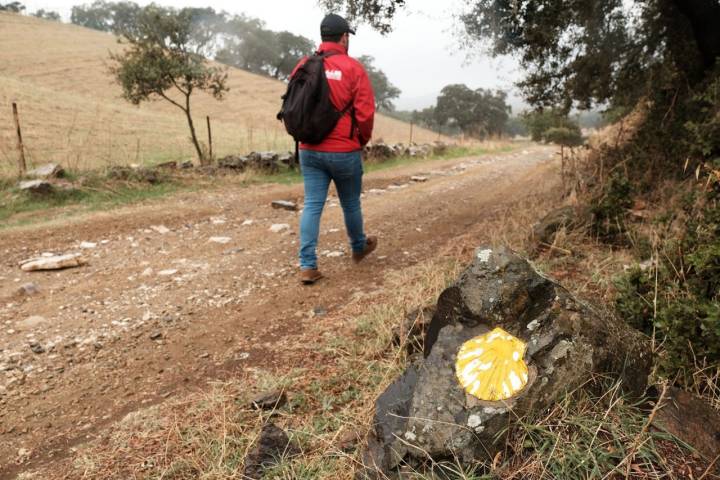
x=197, y=286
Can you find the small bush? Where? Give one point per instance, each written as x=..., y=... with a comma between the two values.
x=610, y=208
x=677, y=299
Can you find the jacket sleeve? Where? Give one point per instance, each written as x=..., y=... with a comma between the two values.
x=364, y=105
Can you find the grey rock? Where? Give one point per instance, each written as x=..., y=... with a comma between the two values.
x=379, y=151
x=36, y=187
x=50, y=170
x=265, y=162
x=234, y=162
x=36, y=347
x=156, y=336
x=269, y=400
x=692, y=420
x=411, y=332
x=28, y=290
x=139, y=174
x=544, y=231
x=172, y=165
x=285, y=205
x=272, y=445
x=426, y=411
x=288, y=159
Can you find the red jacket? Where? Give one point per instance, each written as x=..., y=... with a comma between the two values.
x=348, y=81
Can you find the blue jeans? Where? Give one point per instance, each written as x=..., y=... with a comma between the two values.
x=318, y=168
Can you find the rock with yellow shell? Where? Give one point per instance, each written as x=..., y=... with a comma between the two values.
x=491, y=366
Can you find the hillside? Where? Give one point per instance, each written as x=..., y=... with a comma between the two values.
x=71, y=110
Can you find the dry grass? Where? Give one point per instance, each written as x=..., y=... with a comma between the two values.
x=72, y=113
x=353, y=359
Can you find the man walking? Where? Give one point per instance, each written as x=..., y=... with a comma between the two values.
x=337, y=156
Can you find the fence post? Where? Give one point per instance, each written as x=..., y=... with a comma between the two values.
x=210, y=152
x=22, y=166
x=411, y=133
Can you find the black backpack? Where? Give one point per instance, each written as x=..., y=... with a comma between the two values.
x=307, y=111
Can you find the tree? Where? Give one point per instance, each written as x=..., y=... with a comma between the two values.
x=291, y=49
x=606, y=52
x=252, y=47
x=385, y=92
x=14, y=7
x=115, y=17
x=477, y=113
x=47, y=15
x=206, y=28
x=97, y=16
x=538, y=122
x=160, y=63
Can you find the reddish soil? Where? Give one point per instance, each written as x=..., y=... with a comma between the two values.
x=154, y=314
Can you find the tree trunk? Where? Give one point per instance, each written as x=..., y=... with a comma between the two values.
x=193, y=135
x=704, y=17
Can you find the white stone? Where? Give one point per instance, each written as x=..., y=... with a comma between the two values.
x=279, y=227
x=88, y=245
x=474, y=421
x=532, y=326
x=410, y=436
x=46, y=171
x=167, y=273
x=221, y=240
x=484, y=255
x=57, y=262
x=247, y=222
x=335, y=254
x=161, y=229
x=32, y=321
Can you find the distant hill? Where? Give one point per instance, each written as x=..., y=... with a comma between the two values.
x=71, y=110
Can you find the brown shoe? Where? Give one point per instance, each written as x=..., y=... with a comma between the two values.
x=310, y=276
x=370, y=246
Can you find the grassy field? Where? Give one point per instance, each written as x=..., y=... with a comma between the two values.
x=93, y=191
x=71, y=111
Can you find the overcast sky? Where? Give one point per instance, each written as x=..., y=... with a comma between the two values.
x=420, y=56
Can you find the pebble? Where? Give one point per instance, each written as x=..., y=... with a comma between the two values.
x=167, y=273
x=285, y=205
x=33, y=321
x=220, y=240
x=279, y=227
x=37, y=348
x=161, y=229
x=88, y=245
x=28, y=289
x=156, y=336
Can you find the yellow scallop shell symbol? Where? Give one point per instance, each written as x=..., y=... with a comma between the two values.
x=491, y=366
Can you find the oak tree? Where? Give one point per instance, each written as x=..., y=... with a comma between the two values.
x=161, y=61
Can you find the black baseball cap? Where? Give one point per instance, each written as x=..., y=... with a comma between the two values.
x=334, y=24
